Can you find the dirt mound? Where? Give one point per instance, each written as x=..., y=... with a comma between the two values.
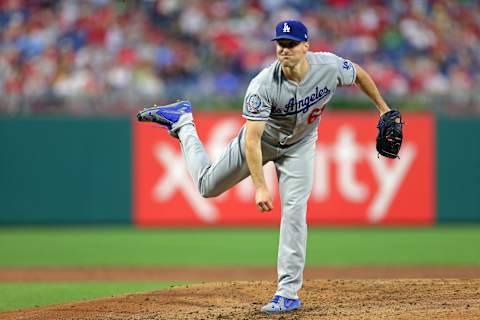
x=322, y=299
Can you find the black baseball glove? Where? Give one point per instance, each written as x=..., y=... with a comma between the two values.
x=390, y=136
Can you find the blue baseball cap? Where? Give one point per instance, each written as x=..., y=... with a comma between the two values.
x=291, y=29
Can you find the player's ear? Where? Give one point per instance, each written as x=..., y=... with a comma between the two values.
x=306, y=45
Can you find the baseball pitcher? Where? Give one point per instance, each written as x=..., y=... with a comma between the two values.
x=283, y=106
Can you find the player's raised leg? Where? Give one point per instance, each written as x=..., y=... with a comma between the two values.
x=210, y=179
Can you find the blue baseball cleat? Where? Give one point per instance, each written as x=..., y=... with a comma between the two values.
x=280, y=304
x=172, y=116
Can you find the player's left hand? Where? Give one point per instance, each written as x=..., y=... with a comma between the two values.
x=390, y=135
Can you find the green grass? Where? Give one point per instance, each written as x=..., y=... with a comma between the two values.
x=24, y=295
x=125, y=246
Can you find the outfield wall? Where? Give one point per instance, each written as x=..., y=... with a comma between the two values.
x=65, y=170
x=458, y=169
x=105, y=170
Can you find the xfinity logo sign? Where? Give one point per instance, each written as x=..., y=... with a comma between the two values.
x=347, y=174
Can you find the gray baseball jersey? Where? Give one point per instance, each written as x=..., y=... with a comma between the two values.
x=292, y=113
x=287, y=106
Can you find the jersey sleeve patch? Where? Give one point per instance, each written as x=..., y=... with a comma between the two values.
x=254, y=104
x=347, y=65
x=347, y=72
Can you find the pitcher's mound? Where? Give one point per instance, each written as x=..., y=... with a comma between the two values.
x=322, y=299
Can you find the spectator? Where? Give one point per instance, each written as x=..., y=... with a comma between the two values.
x=126, y=53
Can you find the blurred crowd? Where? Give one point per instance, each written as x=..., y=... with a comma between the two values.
x=101, y=56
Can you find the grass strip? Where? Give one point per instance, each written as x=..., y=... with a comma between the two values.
x=131, y=247
x=24, y=295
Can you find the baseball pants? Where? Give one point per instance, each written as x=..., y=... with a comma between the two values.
x=294, y=168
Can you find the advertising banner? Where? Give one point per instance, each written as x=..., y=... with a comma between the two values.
x=352, y=185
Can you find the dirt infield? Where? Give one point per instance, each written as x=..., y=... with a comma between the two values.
x=362, y=296
x=231, y=273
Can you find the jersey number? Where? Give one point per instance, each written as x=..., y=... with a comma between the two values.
x=314, y=115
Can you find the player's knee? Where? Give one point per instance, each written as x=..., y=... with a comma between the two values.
x=205, y=194
x=209, y=190
x=294, y=206
x=208, y=193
